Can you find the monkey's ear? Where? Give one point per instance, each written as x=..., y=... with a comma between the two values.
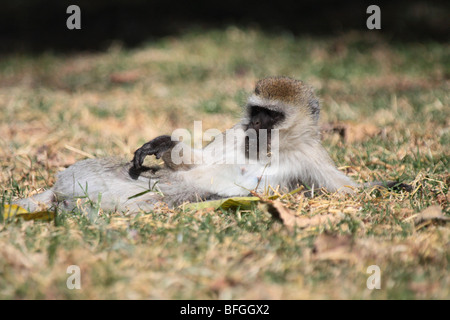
x=314, y=106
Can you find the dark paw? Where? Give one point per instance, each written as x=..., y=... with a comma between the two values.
x=155, y=147
x=398, y=186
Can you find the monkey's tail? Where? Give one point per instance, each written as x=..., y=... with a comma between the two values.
x=44, y=199
x=394, y=185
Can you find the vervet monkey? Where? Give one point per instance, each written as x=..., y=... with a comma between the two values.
x=282, y=115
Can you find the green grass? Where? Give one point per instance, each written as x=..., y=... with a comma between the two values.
x=110, y=103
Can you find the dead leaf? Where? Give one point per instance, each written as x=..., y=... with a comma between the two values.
x=376, y=161
x=291, y=220
x=430, y=213
x=222, y=283
x=125, y=76
x=444, y=199
x=333, y=247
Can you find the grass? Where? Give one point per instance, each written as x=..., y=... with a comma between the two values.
x=57, y=109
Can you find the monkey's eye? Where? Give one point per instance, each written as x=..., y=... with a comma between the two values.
x=254, y=110
x=276, y=116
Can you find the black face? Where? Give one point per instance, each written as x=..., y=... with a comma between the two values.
x=262, y=118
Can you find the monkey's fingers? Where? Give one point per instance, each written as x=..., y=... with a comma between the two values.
x=137, y=160
x=159, y=154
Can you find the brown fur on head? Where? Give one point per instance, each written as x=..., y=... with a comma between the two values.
x=287, y=95
x=285, y=89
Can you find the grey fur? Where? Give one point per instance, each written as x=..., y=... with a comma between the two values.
x=117, y=186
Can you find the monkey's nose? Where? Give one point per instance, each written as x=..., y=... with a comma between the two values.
x=255, y=125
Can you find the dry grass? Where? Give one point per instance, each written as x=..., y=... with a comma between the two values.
x=57, y=109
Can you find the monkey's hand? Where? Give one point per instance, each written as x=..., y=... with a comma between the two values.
x=155, y=147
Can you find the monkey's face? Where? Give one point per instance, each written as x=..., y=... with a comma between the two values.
x=262, y=118
x=258, y=130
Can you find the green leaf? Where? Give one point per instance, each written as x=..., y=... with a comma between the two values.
x=244, y=203
x=13, y=210
x=229, y=203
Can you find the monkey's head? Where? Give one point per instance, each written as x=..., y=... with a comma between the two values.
x=285, y=103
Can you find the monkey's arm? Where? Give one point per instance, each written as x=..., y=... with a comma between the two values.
x=317, y=170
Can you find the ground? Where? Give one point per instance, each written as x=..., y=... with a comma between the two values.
x=385, y=116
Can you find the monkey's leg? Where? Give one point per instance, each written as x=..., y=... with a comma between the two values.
x=157, y=147
x=44, y=199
